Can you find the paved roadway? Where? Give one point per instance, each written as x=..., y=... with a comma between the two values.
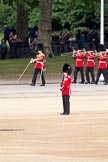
x=33, y=98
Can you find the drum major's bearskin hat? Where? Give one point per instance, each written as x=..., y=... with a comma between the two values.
x=67, y=68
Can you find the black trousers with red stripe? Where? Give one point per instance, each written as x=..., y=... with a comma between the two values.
x=107, y=71
x=104, y=72
x=36, y=71
x=66, y=104
x=79, y=69
x=90, y=70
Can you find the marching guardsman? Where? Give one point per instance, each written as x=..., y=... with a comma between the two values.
x=79, y=57
x=39, y=68
x=65, y=88
x=102, y=65
x=107, y=63
x=90, y=56
x=107, y=70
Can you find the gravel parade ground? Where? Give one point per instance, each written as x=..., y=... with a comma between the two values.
x=32, y=129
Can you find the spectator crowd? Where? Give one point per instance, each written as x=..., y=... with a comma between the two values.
x=60, y=42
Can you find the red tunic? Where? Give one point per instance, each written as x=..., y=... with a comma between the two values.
x=65, y=86
x=90, y=59
x=102, y=62
x=39, y=63
x=79, y=59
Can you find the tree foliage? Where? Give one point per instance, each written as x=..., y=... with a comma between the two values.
x=76, y=13
x=69, y=14
x=7, y=15
x=34, y=17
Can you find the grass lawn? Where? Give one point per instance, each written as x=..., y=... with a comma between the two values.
x=12, y=68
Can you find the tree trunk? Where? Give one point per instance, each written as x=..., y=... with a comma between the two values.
x=22, y=22
x=45, y=27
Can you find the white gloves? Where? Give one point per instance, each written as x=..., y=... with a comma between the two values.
x=31, y=61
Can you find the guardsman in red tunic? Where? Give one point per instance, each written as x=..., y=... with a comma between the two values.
x=90, y=55
x=65, y=88
x=107, y=63
x=102, y=66
x=39, y=68
x=79, y=65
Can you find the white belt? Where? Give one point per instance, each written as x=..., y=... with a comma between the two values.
x=90, y=60
x=102, y=61
x=79, y=60
x=39, y=62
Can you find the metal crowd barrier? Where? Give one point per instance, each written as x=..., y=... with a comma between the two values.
x=67, y=48
x=24, y=50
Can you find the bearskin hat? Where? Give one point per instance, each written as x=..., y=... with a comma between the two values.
x=67, y=68
x=40, y=47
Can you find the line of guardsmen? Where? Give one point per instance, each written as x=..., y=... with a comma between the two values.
x=80, y=54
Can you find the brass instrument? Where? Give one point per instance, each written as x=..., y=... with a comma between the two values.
x=66, y=54
x=76, y=52
x=90, y=51
x=99, y=54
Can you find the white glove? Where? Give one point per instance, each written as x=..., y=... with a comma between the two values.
x=31, y=61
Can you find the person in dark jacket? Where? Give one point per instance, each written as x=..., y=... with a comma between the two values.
x=3, y=49
x=6, y=33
